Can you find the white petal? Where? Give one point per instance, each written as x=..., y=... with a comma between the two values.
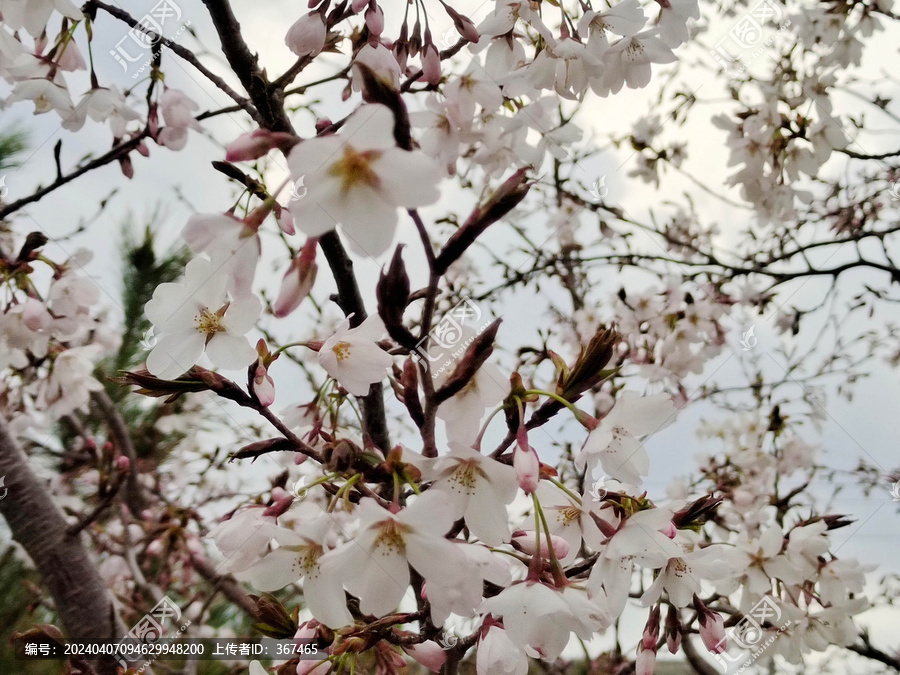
x=410, y=179
x=175, y=354
x=230, y=352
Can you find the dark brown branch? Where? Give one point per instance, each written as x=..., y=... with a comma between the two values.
x=225, y=583
x=185, y=54
x=78, y=592
x=117, y=152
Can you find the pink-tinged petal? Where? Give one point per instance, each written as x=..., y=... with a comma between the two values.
x=170, y=306
x=429, y=654
x=435, y=558
x=175, y=354
x=311, y=219
x=371, y=329
x=771, y=541
x=202, y=229
x=230, y=352
x=643, y=415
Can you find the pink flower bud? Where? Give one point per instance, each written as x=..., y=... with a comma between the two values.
x=645, y=663
x=669, y=530
x=322, y=124
x=357, y=5
x=431, y=65
x=524, y=540
x=526, y=463
x=263, y=385
x=467, y=29
x=142, y=149
x=307, y=36
x=712, y=627
x=429, y=654
x=127, y=167
x=375, y=20
x=254, y=145
x=285, y=220
x=298, y=280
x=673, y=629
x=651, y=630
x=123, y=464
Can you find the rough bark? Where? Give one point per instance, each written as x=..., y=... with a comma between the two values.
x=78, y=592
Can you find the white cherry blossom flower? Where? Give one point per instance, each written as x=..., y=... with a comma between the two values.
x=232, y=245
x=637, y=541
x=497, y=655
x=358, y=179
x=673, y=20
x=616, y=444
x=45, y=95
x=627, y=61
x=32, y=15
x=478, y=488
x=306, y=37
x=178, y=115
x=102, y=104
x=197, y=316
x=352, y=356
x=541, y=618
x=374, y=566
x=681, y=576
x=298, y=556
x=463, y=411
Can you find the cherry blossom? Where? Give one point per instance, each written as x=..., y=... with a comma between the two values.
x=306, y=37
x=358, y=179
x=198, y=316
x=352, y=355
x=178, y=115
x=478, y=489
x=375, y=565
x=541, y=618
x=615, y=442
x=497, y=654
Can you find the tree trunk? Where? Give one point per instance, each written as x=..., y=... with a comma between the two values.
x=78, y=592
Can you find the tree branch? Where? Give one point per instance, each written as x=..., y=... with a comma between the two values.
x=78, y=592
x=184, y=53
